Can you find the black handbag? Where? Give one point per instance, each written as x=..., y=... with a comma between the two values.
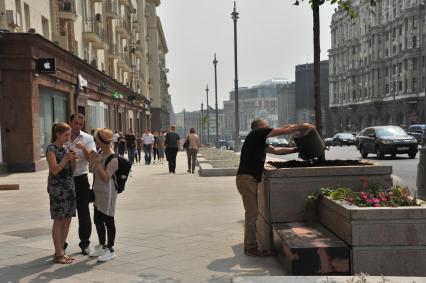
x=186, y=143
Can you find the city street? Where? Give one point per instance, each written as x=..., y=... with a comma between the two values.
x=404, y=168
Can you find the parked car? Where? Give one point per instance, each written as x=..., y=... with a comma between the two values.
x=222, y=144
x=328, y=141
x=343, y=139
x=283, y=142
x=384, y=140
x=230, y=145
x=273, y=141
x=417, y=132
x=357, y=138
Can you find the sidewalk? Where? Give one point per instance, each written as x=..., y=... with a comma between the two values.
x=170, y=228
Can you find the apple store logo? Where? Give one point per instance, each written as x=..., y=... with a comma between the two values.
x=46, y=65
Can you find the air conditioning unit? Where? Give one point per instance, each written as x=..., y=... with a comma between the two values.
x=13, y=18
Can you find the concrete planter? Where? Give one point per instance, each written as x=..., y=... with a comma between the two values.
x=282, y=193
x=384, y=240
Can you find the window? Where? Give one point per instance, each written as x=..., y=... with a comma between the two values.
x=45, y=25
x=414, y=61
x=414, y=42
x=53, y=108
x=414, y=84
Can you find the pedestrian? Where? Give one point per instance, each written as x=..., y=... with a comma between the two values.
x=121, y=144
x=171, y=144
x=192, y=149
x=105, y=196
x=155, y=147
x=160, y=146
x=131, y=145
x=84, y=145
x=60, y=186
x=252, y=159
x=116, y=136
x=138, y=149
x=148, y=140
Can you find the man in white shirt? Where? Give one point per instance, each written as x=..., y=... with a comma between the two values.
x=148, y=140
x=84, y=145
x=115, y=140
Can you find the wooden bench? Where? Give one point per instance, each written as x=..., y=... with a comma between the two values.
x=310, y=249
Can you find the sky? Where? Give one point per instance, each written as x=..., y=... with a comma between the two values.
x=273, y=37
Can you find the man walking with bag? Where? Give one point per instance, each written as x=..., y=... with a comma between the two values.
x=148, y=141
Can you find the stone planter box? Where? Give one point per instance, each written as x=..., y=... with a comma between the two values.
x=282, y=193
x=384, y=240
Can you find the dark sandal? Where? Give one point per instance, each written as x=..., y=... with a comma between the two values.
x=61, y=260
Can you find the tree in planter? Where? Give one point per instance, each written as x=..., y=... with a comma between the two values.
x=315, y=5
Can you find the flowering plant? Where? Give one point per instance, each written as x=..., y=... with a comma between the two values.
x=371, y=195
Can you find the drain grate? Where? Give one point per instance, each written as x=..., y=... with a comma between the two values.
x=30, y=233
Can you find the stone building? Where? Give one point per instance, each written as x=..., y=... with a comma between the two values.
x=66, y=56
x=305, y=98
x=377, y=65
x=259, y=101
x=287, y=105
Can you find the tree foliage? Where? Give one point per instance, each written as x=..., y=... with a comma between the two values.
x=343, y=4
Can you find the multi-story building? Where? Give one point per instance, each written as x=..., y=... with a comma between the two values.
x=259, y=101
x=287, y=105
x=64, y=56
x=377, y=65
x=305, y=98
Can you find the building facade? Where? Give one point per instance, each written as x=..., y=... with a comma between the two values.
x=377, y=65
x=99, y=65
x=287, y=105
x=305, y=99
x=259, y=101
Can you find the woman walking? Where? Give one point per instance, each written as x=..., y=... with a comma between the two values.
x=105, y=195
x=155, y=147
x=160, y=146
x=192, y=150
x=62, y=162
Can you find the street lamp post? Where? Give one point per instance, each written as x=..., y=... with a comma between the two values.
x=215, y=95
x=421, y=167
x=202, y=122
x=237, y=117
x=184, y=120
x=208, y=117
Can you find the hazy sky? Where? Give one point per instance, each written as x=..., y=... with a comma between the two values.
x=273, y=37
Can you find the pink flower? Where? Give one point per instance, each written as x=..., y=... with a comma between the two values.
x=377, y=205
x=375, y=200
x=369, y=201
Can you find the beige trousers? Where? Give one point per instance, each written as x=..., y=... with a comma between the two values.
x=247, y=186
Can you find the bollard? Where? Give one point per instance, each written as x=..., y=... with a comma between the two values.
x=421, y=170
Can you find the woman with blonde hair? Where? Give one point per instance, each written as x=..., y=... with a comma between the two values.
x=105, y=195
x=60, y=187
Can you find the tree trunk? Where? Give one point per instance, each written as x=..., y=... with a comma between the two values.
x=317, y=65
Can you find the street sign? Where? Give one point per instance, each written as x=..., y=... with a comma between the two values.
x=46, y=65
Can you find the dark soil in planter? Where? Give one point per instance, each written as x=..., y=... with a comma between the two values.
x=326, y=163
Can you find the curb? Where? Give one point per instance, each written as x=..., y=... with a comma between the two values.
x=207, y=170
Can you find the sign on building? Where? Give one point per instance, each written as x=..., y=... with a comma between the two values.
x=46, y=65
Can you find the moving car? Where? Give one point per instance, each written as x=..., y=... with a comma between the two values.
x=328, y=141
x=283, y=142
x=343, y=139
x=384, y=140
x=230, y=145
x=417, y=132
x=273, y=141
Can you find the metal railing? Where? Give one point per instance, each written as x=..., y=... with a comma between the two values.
x=93, y=26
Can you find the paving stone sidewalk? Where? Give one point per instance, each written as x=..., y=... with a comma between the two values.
x=170, y=228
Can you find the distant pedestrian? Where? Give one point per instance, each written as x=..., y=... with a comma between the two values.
x=121, y=144
x=62, y=164
x=139, y=143
x=105, y=196
x=148, y=141
x=192, y=149
x=252, y=159
x=116, y=136
x=160, y=146
x=171, y=144
x=155, y=147
x=131, y=145
x=84, y=145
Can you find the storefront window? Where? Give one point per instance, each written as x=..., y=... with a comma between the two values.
x=53, y=109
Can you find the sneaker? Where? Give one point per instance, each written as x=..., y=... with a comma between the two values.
x=86, y=251
x=108, y=255
x=189, y=171
x=99, y=250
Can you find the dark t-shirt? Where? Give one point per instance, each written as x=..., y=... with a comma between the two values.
x=130, y=140
x=171, y=140
x=253, y=153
